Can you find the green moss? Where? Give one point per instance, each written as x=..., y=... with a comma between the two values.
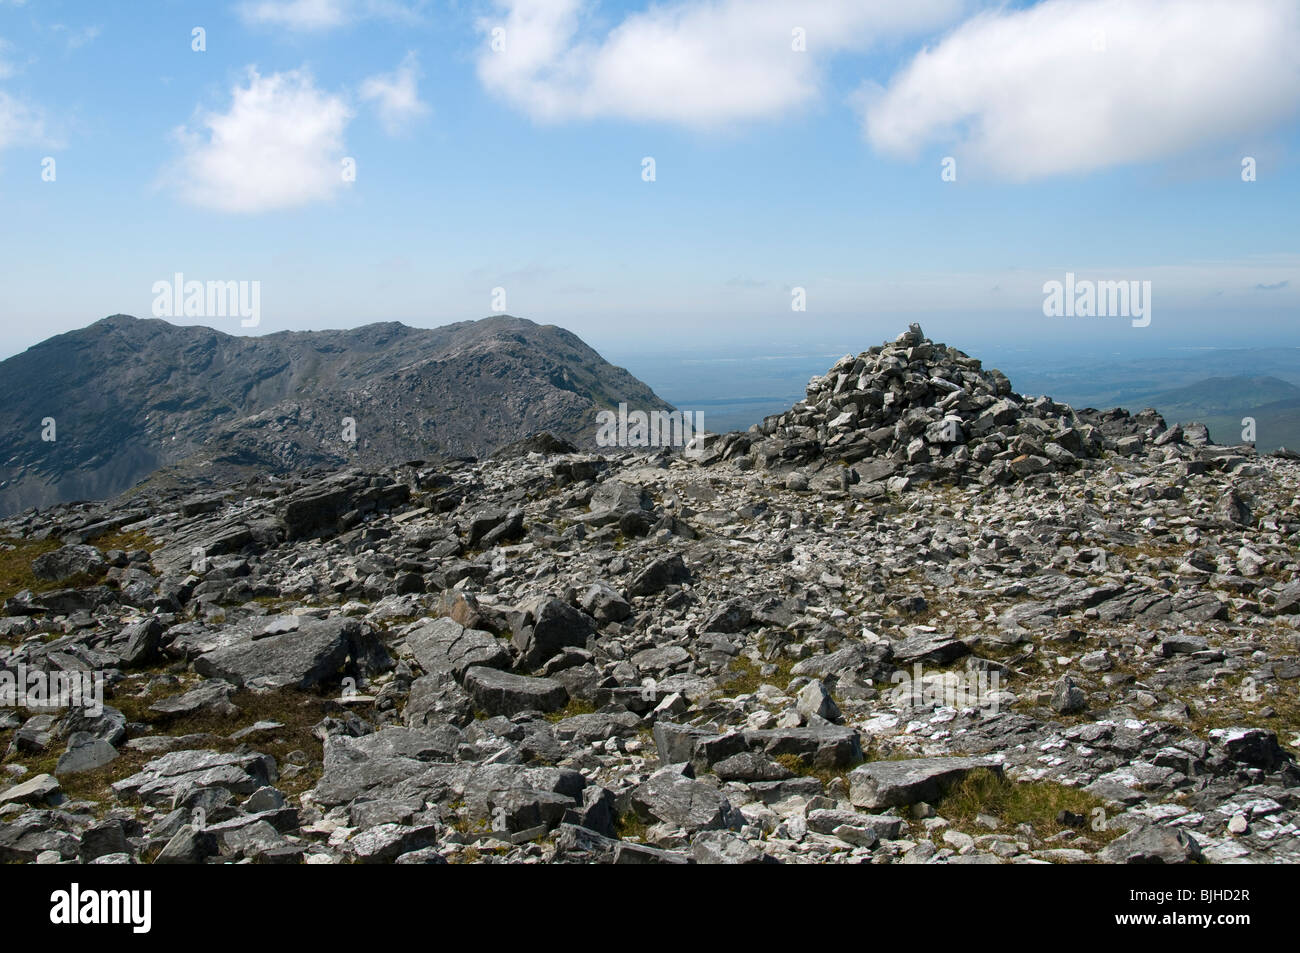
x=298, y=712
x=747, y=676
x=131, y=542
x=802, y=768
x=16, y=557
x=16, y=565
x=576, y=706
x=630, y=827
x=1037, y=803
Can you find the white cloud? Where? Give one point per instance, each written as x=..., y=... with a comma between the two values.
x=20, y=124
x=83, y=36
x=317, y=15
x=396, y=95
x=687, y=62
x=1075, y=85
x=280, y=145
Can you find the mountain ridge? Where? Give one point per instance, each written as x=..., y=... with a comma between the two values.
x=224, y=405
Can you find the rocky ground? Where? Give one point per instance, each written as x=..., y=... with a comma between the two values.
x=917, y=619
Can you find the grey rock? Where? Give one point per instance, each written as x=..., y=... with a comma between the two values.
x=37, y=790
x=212, y=695
x=1154, y=845
x=304, y=659
x=557, y=625
x=103, y=839
x=603, y=602
x=724, y=847
x=189, y=846
x=672, y=798
x=658, y=575
x=1068, y=698
x=142, y=642
x=505, y=693
x=177, y=773
x=445, y=645
x=384, y=843
x=69, y=561
x=85, y=752
x=882, y=784
x=814, y=701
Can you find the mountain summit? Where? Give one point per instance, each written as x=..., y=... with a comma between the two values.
x=125, y=397
x=898, y=628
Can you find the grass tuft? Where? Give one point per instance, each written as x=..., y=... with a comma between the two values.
x=1037, y=803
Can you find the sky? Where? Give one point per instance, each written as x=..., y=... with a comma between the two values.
x=937, y=161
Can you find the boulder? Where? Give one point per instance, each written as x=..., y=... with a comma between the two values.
x=505, y=693
x=882, y=784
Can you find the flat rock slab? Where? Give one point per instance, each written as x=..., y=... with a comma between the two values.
x=384, y=843
x=824, y=746
x=505, y=693
x=212, y=695
x=437, y=700
x=85, y=753
x=69, y=561
x=179, y=772
x=303, y=659
x=444, y=645
x=418, y=744
x=32, y=791
x=882, y=784
x=932, y=647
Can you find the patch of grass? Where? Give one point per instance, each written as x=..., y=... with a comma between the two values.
x=576, y=706
x=85, y=785
x=397, y=621
x=274, y=605
x=16, y=565
x=800, y=767
x=16, y=557
x=298, y=712
x=898, y=754
x=131, y=542
x=631, y=827
x=1036, y=803
x=1233, y=706
x=1134, y=556
x=747, y=675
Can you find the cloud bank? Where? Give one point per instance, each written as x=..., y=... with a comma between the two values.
x=1075, y=85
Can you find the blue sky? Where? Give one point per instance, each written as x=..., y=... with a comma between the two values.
x=1080, y=145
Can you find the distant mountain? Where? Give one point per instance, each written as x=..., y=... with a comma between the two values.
x=1216, y=396
x=129, y=396
x=1221, y=403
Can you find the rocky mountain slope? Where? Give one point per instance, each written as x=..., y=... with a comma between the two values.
x=917, y=619
x=130, y=396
